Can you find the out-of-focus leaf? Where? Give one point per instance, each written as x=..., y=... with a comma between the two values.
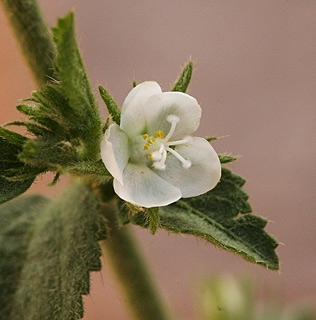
x=62, y=248
x=16, y=220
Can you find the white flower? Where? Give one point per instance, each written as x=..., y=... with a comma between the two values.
x=152, y=156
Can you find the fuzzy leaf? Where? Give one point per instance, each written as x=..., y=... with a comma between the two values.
x=112, y=106
x=214, y=217
x=12, y=137
x=73, y=78
x=16, y=219
x=13, y=181
x=182, y=84
x=226, y=158
x=62, y=249
x=31, y=127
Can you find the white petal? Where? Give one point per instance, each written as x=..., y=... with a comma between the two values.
x=145, y=188
x=115, y=151
x=133, y=120
x=160, y=106
x=201, y=177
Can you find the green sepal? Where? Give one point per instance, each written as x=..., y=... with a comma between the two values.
x=50, y=271
x=153, y=214
x=182, y=83
x=111, y=105
x=214, y=217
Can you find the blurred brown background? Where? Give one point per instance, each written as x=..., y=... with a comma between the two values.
x=255, y=77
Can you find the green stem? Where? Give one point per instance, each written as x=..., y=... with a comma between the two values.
x=130, y=268
x=33, y=36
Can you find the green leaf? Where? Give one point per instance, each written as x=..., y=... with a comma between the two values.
x=31, y=127
x=112, y=106
x=214, y=217
x=12, y=189
x=226, y=158
x=16, y=219
x=74, y=81
x=182, y=84
x=11, y=168
x=12, y=137
x=52, y=105
x=63, y=248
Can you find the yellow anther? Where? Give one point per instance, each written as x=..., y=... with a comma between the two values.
x=151, y=140
x=145, y=136
x=150, y=156
x=160, y=134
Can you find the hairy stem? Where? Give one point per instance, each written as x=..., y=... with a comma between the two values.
x=33, y=36
x=131, y=270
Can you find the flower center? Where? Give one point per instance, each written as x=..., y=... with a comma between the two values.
x=159, y=146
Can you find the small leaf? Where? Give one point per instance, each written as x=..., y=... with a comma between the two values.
x=211, y=139
x=31, y=127
x=226, y=158
x=112, y=106
x=12, y=189
x=27, y=109
x=13, y=137
x=63, y=248
x=213, y=216
x=182, y=84
x=12, y=168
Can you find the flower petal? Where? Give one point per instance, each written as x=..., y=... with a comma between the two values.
x=115, y=151
x=201, y=177
x=145, y=188
x=160, y=106
x=133, y=120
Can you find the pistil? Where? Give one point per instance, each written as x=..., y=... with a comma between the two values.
x=161, y=145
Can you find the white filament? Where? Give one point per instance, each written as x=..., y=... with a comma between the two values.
x=159, y=156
